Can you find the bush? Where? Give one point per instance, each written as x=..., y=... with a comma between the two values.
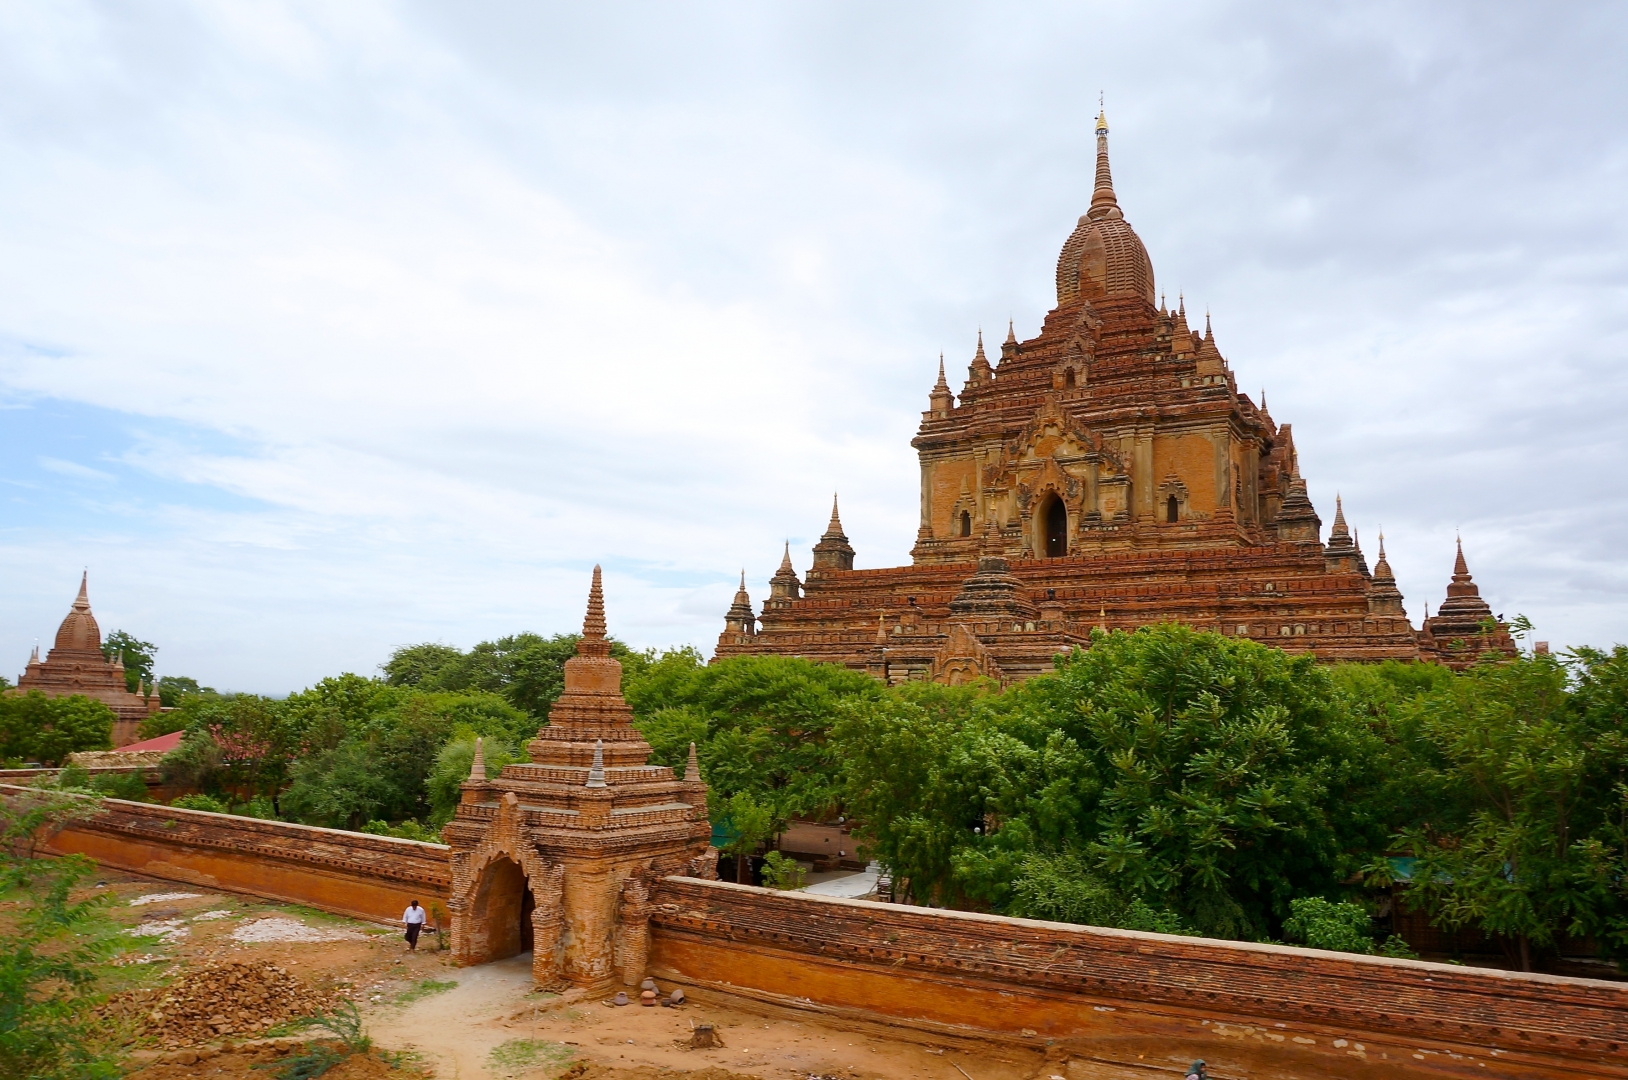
x=1323, y=924
x=201, y=802
x=120, y=785
x=781, y=871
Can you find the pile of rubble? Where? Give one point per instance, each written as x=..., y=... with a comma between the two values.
x=237, y=998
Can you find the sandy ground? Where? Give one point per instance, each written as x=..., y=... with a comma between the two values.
x=454, y=1019
x=488, y=1023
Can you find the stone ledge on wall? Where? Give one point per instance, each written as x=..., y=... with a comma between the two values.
x=348, y=873
x=938, y=967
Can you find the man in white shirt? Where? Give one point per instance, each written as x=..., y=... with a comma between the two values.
x=413, y=918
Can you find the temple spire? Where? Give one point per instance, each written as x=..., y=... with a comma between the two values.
x=692, y=768
x=477, y=768
x=1103, y=203
x=834, y=529
x=593, y=623
x=1461, y=569
x=1011, y=335
x=82, y=601
x=1339, y=531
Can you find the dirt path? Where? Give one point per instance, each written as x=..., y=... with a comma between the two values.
x=456, y=1031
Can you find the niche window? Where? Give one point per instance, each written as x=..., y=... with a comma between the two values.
x=1068, y=379
x=1172, y=510
x=966, y=523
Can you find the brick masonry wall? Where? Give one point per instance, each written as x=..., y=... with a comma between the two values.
x=367, y=877
x=1047, y=981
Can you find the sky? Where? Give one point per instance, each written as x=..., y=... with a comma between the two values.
x=328, y=328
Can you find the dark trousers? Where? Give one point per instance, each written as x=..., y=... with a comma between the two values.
x=412, y=933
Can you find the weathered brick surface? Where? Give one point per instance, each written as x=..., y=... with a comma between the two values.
x=1009, y=974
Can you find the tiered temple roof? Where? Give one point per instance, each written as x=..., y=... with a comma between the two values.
x=1106, y=472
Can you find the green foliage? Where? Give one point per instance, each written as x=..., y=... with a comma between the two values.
x=452, y=765
x=345, y=1024
x=424, y=988
x=171, y=690
x=527, y=670
x=120, y=785
x=50, y=953
x=406, y=830
x=1195, y=773
x=1061, y=888
x=34, y=727
x=136, y=656
x=1523, y=837
x=201, y=802
x=781, y=871
x=311, y=1062
x=1322, y=924
x=518, y=1054
x=912, y=778
x=761, y=725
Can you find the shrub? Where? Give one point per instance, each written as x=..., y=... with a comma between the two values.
x=201, y=802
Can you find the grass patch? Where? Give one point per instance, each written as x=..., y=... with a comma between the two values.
x=424, y=988
x=529, y=1053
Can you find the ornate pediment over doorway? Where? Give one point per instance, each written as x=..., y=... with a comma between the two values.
x=963, y=658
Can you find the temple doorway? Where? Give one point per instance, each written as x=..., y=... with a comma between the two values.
x=501, y=915
x=1055, y=519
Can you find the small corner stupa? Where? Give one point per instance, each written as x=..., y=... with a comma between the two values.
x=75, y=665
x=557, y=855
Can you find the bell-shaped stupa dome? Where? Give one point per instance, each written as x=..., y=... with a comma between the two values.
x=79, y=630
x=1103, y=257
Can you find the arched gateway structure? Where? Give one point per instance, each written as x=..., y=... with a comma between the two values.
x=559, y=855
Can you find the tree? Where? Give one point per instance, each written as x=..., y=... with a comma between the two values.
x=1207, y=778
x=452, y=766
x=1509, y=764
x=172, y=689
x=761, y=725
x=1600, y=703
x=526, y=668
x=136, y=655
x=51, y=947
x=911, y=783
x=34, y=727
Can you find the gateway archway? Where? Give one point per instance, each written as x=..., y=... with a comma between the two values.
x=502, y=908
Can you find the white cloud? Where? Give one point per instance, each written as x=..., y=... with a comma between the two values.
x=475, y=300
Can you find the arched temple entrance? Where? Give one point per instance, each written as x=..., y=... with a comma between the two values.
x=502, y=908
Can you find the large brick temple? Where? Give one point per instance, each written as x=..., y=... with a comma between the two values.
x=1105, y=473
x=75, y=665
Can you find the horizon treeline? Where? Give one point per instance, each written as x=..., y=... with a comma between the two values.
x=1167, y=779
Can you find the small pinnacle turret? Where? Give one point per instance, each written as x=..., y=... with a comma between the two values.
x=740, y=619
x=477, y=767
x=1384, y=598
x=940, y=400
x=833, y=551
x=784, y=587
